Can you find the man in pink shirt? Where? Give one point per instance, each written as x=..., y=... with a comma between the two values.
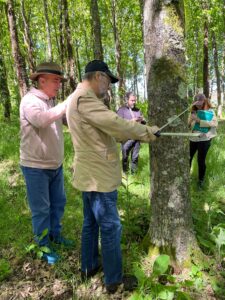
x=41, y=156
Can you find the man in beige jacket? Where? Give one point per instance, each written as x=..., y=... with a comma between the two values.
x=41, y=156
x=95, y=129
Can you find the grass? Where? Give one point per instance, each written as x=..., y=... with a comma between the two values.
x=17, y=266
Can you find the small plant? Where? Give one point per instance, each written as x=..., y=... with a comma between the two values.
x=218, y=236
x=161, y=284
x=37, y=250
x=5, y=269
x=197, y=277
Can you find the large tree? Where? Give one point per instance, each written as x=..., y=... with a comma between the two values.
x=171, y=222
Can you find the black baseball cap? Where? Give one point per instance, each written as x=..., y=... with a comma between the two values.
x=99, y=65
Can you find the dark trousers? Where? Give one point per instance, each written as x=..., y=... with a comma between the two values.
x=133, y=147
x=202, y=149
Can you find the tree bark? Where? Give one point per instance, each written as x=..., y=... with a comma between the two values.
x=141, y=3
x=18, y=58
x=217, y=72
x=70, y=54
x=121, y=89
x=4, y=91
x=27, y=38
x=61, y=42
x=206, y=60
x=96, y=31
x=50, y=54
x=171, y=227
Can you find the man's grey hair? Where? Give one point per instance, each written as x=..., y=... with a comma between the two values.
x=89, y=76
x=128, y=94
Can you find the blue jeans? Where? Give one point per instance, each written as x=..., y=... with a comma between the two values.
x=46, y=197
x=100, y=212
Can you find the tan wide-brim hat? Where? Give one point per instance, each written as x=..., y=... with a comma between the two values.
x=47, y=68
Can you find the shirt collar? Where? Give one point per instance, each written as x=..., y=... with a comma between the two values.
x=40, y=94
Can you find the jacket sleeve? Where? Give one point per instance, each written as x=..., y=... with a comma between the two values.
x=39, y=118
x=96, y=113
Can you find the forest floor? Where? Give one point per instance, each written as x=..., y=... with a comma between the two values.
x=23, y=276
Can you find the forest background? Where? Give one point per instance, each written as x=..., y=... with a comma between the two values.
x=73, y=33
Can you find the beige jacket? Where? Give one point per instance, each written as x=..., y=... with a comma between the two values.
x=212, y=125
x=41, y=143
x=94, y=129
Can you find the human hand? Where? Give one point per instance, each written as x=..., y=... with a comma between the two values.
x=155, y=131
x=138, y=119
x=195, y=118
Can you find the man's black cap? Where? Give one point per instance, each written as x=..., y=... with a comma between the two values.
x=99, y=65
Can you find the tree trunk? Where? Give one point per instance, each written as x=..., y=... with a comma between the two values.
x=217, y=72
x=96, y=31
x=206, y=61
x=78, y=62
x=71, y=61
x=141, y=3
x=61, y=42
x=27, y=38
x=196, y=84
x=4, y=91
x=18, y=58
x=50, y=54
x=170, y=228
x=118, y=53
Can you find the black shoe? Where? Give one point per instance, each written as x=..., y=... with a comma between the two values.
x=89, y=274
x=129, y=282
x=201, y=184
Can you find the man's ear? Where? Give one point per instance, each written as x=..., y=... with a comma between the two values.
x=97, y=75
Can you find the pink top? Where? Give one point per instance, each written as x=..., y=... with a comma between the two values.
x=42, y=144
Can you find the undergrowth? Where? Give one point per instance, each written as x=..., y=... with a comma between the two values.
x=156, y=281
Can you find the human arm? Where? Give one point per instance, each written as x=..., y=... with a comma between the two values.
x=95, y=113
x=41, y=118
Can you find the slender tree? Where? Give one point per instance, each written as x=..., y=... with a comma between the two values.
x=48, y=32
x=70, y=54
x=18, y=58
x=27, y=38
x=217, y=73
x=206, y=60
x=96, y=30
x=170, y=228
x=4, y=90
x=118, y=51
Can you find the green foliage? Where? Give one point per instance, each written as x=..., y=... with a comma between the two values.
x=160, y=284
x=208, y=208
x=37, y=250
x=161, y=265
x=5, y=269
x=218, y=235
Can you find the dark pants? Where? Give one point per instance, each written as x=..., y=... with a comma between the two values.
x=132, y=147
x=202, y=149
